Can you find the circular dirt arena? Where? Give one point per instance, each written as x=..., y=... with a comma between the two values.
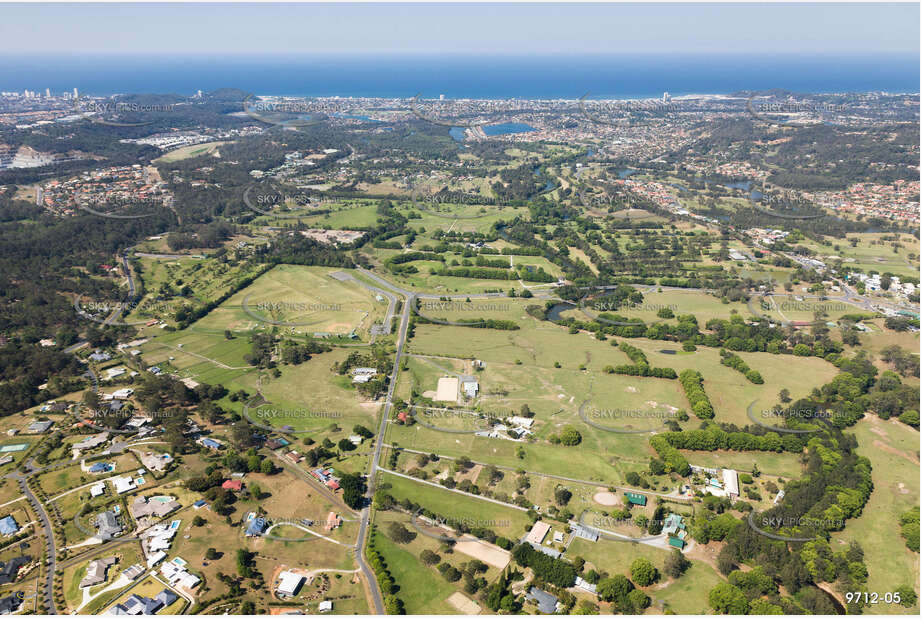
x=606, y=498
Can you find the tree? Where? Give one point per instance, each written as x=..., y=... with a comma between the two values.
x=570, y=436
x=198, y=521
x=429, y=558
x=393, y=605
x=785, y=396
x=362, y=431
x=399, y=534
x=211, y=554
x=353, y=489
x=676, y=564
x=643, y=573
x=562, y=496
x=725, y=562
x=727, y=599
x=614, y=589
x=267, y=467
x=907, y=596
x=760, y=607
x=637, y=600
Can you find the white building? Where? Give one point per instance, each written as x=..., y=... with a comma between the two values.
x=123, y=484
x=289, y=583
x=178, y=576
x=731, y=482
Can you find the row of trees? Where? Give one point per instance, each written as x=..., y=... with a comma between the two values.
x=692, y=382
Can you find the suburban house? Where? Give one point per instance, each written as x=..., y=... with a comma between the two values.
x=107, y=526
x=96, y=572
x=8, y=526
x=147, y=510
x=138, y=605
x=210, y=443
x=90, y=443
x=10, y=604
x=256, y=526
x=177, y=575
x=9, y=570
x=731, y=483
x=674, y=524
x=360, y=375
x=546, y=602
x=123, y=484
x=232, y=484
x=333, y=521
x=133, y=572
x=157, y=462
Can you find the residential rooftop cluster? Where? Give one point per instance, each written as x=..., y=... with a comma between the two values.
x=105, y=189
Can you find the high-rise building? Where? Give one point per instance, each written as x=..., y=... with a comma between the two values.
x=47, y=93
x=76, y=94
x=666, y=97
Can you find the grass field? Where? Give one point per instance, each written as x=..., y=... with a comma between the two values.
x=422, y=589
x=188, y=152
x=538, y=346
x=298, y=300
x=344, y=218
x=509, y=522
x=893, y=452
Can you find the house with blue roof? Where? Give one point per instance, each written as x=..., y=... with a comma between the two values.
x=256, y=526
x=8, y=526
x=211, y=443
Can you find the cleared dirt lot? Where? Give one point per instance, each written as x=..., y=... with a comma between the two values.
x=463, y=604
x=490, y=554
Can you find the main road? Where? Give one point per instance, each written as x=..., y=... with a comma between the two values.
x=376, y=597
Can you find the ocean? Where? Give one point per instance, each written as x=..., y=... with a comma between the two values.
x=479, y=77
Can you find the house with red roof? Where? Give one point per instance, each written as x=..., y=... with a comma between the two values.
x=233, y=484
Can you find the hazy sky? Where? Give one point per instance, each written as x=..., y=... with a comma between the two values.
x=457, y=28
